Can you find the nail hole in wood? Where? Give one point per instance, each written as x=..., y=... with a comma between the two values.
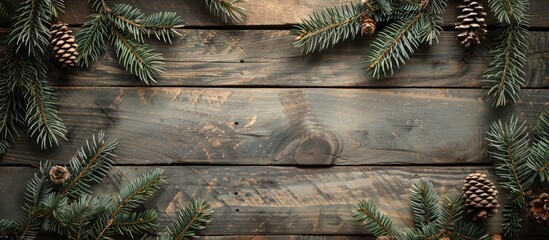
x=235, y=193
x=241, y=60
x=238, y=210
x=235, y=123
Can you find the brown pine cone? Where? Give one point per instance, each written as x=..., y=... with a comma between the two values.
x=59, y=174
x=472, y=23
x=480, y=196
x=64, y=44
x=368, y=26
x=538, y=208
x=382, y=238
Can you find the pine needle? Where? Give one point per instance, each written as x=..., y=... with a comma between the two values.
x=189, y=221
x=227, y=9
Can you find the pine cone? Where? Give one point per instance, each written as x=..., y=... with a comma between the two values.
x=539, y=208
x=64, y=44
x=497, y=236
x=368, y=26
x=472, y=23
x=59, y=174
x=480, y=196
x=382, y=238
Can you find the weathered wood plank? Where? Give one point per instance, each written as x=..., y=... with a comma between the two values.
x=280, y=126
x=277, y=200
x=268, y=58
x=270, y=12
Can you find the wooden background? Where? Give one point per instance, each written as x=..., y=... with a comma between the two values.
x=282, y=144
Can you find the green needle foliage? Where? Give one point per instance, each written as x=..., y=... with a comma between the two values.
x=521, y=163
x=432, y=221
x=26, y=97
x=505, y=76
x=125, y=27
x=69, y=209
x=227, y=9
x=411, y=23
x=5, y=11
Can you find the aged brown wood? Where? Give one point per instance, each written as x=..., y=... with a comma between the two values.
x=268, y=58
x=280, y=126
x=269, y=12
x=277, y=200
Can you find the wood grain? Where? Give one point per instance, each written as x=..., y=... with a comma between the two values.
x=269, y=12
x=280, y=126
x=277, y=200
x=268, y=58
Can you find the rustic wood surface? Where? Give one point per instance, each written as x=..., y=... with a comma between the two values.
x=280, y=126
x=268, y=12
x=277, y=200
x=231, y=58
x=279, y=143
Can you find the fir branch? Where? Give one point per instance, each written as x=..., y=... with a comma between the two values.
x=375, y=221
x=509, y=143
x=509, y=11
x=539, y=153
x=512, y=221
x=91, y=40
x=37, y=188
x=57, y=7
x=188, y=221
x=31, y=27
x=469, y=231
x=162, y=25
x=5, y=11
x=8, y=228
x=450, y=212
x=135, y=223
x=505, y=75
x=128, y=199
x=9, y=100
x=542, y=126
x=424, y=202
x=227, y=9
x=136, y=57
x=329, y=27
x=89, y=167
x=41, y=114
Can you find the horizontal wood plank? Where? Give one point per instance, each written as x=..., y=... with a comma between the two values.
x=277, y=200
x=268, y=58
x=269, y=12
x=280, y=126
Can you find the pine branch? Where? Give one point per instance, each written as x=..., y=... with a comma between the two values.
x=37, y=188
x=9, y=109
x=5, y=11
x=509, y=143
x=376, y=222
x=512, y=221
x=54, y=205
x=31, y=27
x=89, y=167
x=450, y=212
x=329, y=27
x=227, y=9
x=509, y=11
x=57, y=7
x=505, y=75
x=136, y=57
x=135, y=223
x=91, y=40
x=469, y=231
x=128, y=199
x=424, y=202
x=539, y=153
x=80, y=213
x=8, y=228
x=542, y=126
x=41, y=114
x=189, y=220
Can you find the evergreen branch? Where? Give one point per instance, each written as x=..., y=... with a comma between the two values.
x=31, y=27
x=227, y=9
x=539, y=154
x=53, y=206
x=394, y=45
x=4, y=145
x=509, y=11
x=8, y=228
x=129, y=198
x=375, y=221
x=505, y=75
x=37, y=188
x=509, y=143
x=162, y=25
x=41, y=115
x=542, y=126
x=9, y=100
x=512, y=222
x=91, y=40
x=469, y=231
x=57, y=7
x=424, y=202
x=136, y=57
x=89, y=167
x=5, y=11
x=135, y=223
x=450, y=212
x=329, y=27
x=189, y=220
x=80, y=213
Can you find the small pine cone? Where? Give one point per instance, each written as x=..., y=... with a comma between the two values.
x=64, y=44
x=497, y=236
x=480, y=196
x=382, y=238
x=538, y=208
x=472, y=23
x=59, y=174
x=368, y=26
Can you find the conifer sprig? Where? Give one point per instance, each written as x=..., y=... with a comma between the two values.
x=424, y=202
x=375, y=221
x=227, y=9
x=126, y=26
x=5, y=11
x=505, y=75
x=189, y=221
